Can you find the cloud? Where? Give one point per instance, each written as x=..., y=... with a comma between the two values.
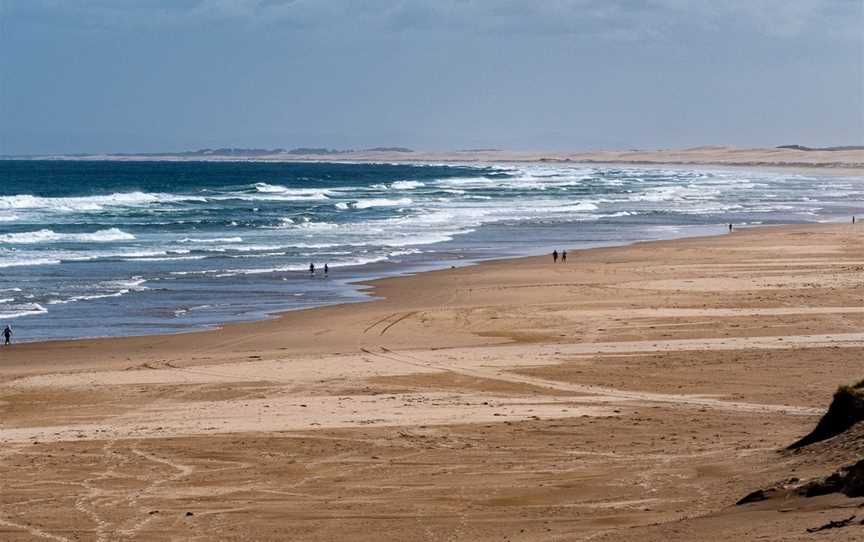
x=778, y=18
x=610, y=18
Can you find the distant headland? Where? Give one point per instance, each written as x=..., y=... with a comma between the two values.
x=842, y=159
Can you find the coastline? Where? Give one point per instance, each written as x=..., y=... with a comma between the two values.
x=474, y=221
x=354, y=287
x=388, y=288
x=629, y=394
x=363, y=289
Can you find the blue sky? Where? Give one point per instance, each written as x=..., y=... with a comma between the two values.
x=150, y=75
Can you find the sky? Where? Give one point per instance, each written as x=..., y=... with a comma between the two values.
x=170, y=75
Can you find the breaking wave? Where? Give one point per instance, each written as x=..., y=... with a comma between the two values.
x=50, y=236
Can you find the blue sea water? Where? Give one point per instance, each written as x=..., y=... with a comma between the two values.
x=102, y=248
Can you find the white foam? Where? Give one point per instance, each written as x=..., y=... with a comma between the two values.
x=269, y=188
x=407, y=252
x=212, y=240
x=90, y=203
x=381, y=202
x=407, y=185
x=318, y=226
x=283, y=193
x=132, y=283
x=24, y=310
x=164, y=258
x=28, y=261
x=50, y=236
x=581, y=206
x=304, y=268
x=91, y=297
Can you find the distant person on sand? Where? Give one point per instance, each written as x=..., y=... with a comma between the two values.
x=853, y=219
x=7, y=335
x=730, y=228
x=555, y=256
x=326, y=270
x=311, y=269
x=563, y=256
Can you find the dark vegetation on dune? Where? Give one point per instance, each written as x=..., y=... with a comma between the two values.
x=847, y=409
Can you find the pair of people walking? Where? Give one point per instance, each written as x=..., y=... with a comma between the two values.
x=562, y=256
x=312, y=270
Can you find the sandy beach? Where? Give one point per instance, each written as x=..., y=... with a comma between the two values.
x=633, y=393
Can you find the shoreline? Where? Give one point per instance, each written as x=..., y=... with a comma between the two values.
x=376, y=291
x=364, y=288
x=639, y=209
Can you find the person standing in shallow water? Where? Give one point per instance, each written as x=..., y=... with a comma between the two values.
x=326, y=270
x=311, y=269
x=555, y=256
x=7, y=335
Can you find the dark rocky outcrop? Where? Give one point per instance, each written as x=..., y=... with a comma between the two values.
x=848, y=480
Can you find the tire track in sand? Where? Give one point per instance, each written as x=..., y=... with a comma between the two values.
x=609, y=394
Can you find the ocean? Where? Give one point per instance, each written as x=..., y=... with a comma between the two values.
x=108, y=248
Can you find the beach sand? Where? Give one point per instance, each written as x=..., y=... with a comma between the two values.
x=633, y=393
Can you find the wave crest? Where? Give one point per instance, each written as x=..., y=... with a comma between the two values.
x=73, y=204
x=381, y=202
x=50, y=236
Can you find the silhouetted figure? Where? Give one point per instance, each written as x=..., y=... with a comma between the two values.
x=554, y=256
x=311, y=269
x=730, y=228
x=853, y=219
x=326, y=270
x=7, y=335
x=563, y=256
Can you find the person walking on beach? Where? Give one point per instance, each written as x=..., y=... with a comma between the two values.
x=730, y=228
x=853, y=220
x=326, y=270
x=311, y=269
x=7, y=335
x=563, y=256
x=555, y=256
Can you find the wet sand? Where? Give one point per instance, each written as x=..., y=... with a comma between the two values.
x=633, y=393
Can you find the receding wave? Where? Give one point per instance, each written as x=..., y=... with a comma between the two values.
x=25, y=309
x=296, y=268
